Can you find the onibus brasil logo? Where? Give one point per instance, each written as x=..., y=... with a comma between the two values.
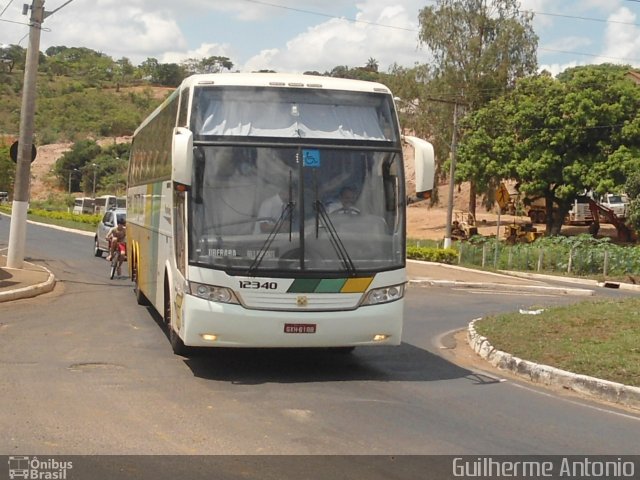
x=36, y=469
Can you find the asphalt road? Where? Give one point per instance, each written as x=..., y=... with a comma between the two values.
x=85, y=370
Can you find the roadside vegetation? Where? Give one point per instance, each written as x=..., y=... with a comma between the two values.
x=595, y=338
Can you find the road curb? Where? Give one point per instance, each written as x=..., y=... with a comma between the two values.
x=503, y=286
x=32, y=290
x=613, y=392
x=580, y=281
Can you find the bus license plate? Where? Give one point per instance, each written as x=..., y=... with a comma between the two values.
x=299, y=328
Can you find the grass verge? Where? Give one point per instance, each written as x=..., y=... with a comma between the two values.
x=63, y=223
x=596, y=338
x=55, y=221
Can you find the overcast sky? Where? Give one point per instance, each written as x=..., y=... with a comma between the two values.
x=301, y=35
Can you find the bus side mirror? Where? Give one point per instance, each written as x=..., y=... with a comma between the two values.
x=182, y=153
x=425, y=165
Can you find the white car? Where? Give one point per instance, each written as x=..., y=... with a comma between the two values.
x=109, y=220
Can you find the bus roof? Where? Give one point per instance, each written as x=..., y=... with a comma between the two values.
x=284, y=80
x=276, y=80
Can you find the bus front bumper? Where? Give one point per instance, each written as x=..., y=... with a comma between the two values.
x=208, y=324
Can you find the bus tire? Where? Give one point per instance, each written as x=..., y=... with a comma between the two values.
x=177, y=345
x=141, y=299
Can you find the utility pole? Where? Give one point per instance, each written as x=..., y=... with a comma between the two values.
x=18, y=229
x=452, y=177
x=17, y=233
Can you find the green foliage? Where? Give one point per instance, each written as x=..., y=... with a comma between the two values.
x=213, y=64
x=82, y=221
x=14, y=55
x=480, y=49
x=632, y=188
x=169, y=74
x=558, y=137
x=7, y=170
x=430, y=254
x=581, y=255
x=58, y=215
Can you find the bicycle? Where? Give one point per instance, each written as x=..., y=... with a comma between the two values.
x=118, y=257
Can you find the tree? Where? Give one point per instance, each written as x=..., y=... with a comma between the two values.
x=79, y=61
x=13, y=56
x=149, y=67
x=372, y=65
x=215, y=64
x=7, y=170
x=632, y=188
x=79, y=157
x=480, y=48
x=559, y=137
x=169, y=74
x=124, y=69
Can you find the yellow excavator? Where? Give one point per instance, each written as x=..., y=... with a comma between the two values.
x=463, y=226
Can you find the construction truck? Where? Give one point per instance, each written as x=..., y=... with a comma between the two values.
x=599, y=211
x=580, y=213
x=617, y=203
x=463, y=226
x=521, y=233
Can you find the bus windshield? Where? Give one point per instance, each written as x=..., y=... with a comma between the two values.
x=284, y=210
x=293, y=113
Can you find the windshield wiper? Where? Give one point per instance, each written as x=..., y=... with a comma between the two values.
x=286, y=214
x=334, y=238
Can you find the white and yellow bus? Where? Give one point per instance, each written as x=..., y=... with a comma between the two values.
x=235, y=230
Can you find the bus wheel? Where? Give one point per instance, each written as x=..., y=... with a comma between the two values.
x=140, y=297
x=177, y=345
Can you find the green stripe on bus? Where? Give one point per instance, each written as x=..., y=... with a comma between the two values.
x=330, y=285
x=333, y=285
x=303, y=285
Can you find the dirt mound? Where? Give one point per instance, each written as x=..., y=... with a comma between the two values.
x=43, y=182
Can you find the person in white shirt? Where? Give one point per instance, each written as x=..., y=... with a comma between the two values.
x=270, y=211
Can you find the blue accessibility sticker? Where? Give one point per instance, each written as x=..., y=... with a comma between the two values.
x=311, y=158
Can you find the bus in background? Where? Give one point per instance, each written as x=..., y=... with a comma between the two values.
x=236, y=231
x=109, y=202
x=83, y=205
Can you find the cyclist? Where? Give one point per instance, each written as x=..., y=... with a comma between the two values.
x=117, y=234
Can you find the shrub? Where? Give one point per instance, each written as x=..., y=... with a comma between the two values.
x=430, y=254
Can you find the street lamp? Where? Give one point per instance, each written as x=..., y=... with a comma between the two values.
x=95, y=171
x=70, y=175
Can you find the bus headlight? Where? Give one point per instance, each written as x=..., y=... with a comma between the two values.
x=212, y=293
x=384, y=295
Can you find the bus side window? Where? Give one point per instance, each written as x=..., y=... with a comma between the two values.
x=183, y=120
x=179, y=230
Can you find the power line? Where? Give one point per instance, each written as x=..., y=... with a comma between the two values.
x=594, y=55
x=5, y=8
x=352, y=20
x=12, y=21
x=589, y=19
